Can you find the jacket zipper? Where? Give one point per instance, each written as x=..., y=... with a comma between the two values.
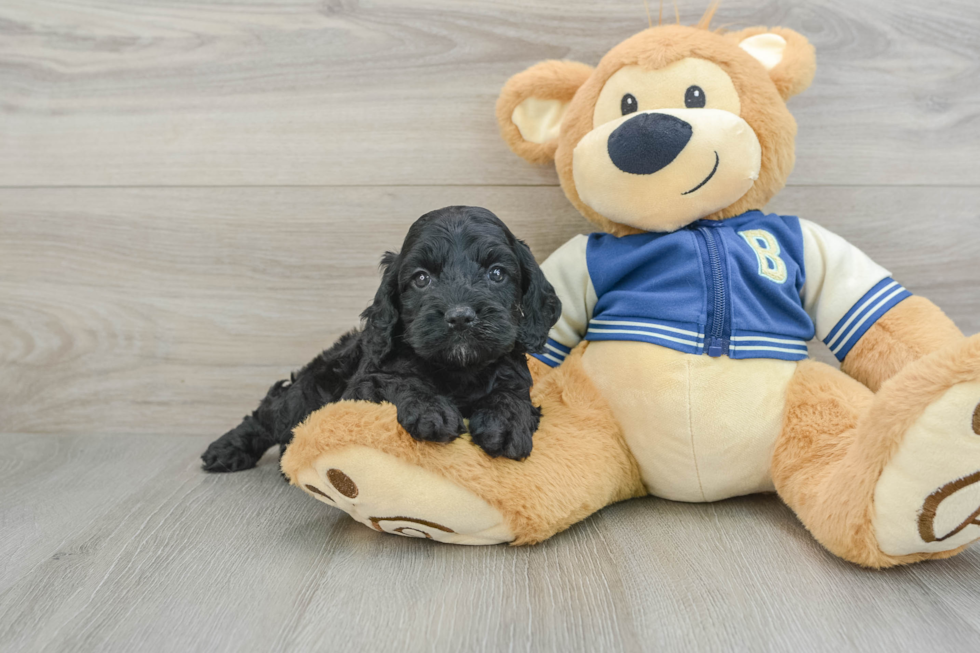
x=717, y=344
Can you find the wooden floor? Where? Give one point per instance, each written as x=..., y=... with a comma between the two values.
x=194, y=195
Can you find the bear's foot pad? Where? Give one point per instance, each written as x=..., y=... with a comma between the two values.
x=390, y=495
x=927, y=499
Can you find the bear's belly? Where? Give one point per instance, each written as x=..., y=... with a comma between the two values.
x=701, y=428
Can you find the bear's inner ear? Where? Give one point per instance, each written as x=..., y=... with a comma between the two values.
x=539, y=121
x=766, y=48
x=532, y=104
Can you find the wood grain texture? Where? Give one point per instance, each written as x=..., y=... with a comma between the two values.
x=194, y=195
x=166, y=557
x=250, y=92
x=173, y=310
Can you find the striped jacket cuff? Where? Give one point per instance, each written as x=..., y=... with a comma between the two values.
x=868, y=310
x=554, y=353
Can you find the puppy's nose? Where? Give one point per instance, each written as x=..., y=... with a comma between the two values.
x=460, y=317
x=648, y=143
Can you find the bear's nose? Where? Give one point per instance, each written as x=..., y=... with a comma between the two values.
x=460, y=317
x=648, y=143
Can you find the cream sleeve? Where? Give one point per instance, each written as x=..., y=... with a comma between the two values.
x=568, y=272
x=845, y=292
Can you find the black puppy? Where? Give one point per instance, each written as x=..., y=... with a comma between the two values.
x=444, y=339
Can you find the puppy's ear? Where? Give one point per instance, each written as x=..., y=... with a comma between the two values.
x=381, y=317
x=540, y=305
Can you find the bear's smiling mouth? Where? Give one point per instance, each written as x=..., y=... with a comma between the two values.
x=706, y=179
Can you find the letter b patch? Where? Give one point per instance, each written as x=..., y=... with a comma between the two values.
x=766, y=249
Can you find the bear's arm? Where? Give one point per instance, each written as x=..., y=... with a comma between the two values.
x=906, y=333
x=872, y=324
x=538, y=369
x=567, y=271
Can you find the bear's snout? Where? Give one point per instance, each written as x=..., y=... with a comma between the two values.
x=648, y=142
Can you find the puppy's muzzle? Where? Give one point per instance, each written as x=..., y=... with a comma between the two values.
x=648, y=143
x=460, y=317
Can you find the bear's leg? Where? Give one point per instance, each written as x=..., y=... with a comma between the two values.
x=355, y=456
x=888, y=478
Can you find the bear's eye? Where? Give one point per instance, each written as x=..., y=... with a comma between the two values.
x=628, y=104
x=420, y=279
x=694, y=97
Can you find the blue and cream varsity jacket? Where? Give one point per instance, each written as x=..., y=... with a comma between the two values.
x=752, y=286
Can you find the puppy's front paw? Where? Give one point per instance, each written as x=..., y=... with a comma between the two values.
x=499, y=435
x=222, y=456
x=432, y=419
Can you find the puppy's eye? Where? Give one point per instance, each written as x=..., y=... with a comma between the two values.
x=497, y=274
x=628, y=104
x=421, y=279
x=694, y=97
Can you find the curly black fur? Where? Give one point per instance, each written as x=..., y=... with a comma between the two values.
x=444, y=339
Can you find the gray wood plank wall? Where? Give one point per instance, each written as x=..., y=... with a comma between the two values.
x=194, y=195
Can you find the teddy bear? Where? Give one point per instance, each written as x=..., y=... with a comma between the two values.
x=679, y=366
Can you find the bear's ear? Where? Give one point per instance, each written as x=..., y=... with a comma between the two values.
x=788, y=57
x=532, y=104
